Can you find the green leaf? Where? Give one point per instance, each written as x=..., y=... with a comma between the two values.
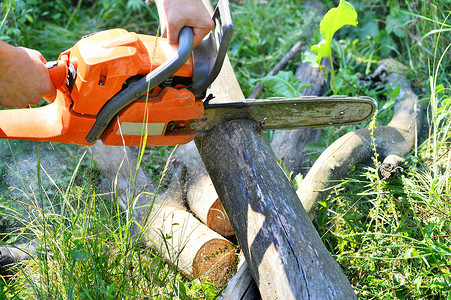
x=310, y=57
x=441, y=248
x=80, y=254
x=332, y=21
x=395, y=92
x=440, y=89
x=284, y=84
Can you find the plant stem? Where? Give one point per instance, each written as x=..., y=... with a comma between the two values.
x=332, y=72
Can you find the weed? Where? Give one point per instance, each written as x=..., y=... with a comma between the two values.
x=332, y=21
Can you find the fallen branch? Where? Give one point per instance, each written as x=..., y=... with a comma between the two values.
x=162, y=220
x=393, y=143
x=288, y=145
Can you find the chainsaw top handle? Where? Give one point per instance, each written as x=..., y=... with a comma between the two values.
x=208, y=57
x=142, y=86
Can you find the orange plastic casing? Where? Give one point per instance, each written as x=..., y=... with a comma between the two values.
x=104, y=61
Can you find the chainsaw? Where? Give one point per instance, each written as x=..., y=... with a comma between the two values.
x=125, y=88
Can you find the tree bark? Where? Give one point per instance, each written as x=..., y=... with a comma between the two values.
x=393, y=143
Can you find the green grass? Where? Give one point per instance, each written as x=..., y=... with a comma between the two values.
x=391, y=239
x=86, y=246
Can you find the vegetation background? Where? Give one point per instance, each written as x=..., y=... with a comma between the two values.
x=391, y=239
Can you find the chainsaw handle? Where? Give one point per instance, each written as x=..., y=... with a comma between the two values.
x=209, y=56
x=142, y=86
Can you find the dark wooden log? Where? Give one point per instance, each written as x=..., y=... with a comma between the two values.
x=285, y=253
x=288, y=145
x=393, y=143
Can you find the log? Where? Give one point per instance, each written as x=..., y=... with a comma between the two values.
x=273, y=229
x=12, y=256
x=285, y=254
x=242, y=285
x=288, y=145
x=184, y=241
x=393, y=142
x=201, y=195
x=164, y=224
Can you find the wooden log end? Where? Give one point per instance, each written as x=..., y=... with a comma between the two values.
x=218, y=221
x=215, y=261
x=390, y=168
x=204, y=202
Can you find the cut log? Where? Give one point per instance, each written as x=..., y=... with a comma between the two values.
x=201, y=195
x=164, y=223
x=184, y=241
x=393, y=143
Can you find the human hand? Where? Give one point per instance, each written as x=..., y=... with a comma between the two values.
x=192, y=13
x=24, y=79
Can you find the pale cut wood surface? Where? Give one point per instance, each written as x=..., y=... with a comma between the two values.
x=164, y=223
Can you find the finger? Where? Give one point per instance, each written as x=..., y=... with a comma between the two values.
x=34, y=54
x=198, y=35
x=173, y=34
x=50, y=96
x=48, y=89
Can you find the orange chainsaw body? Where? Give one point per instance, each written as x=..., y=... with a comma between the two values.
x=104, y=62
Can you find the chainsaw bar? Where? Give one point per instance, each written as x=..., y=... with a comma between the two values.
x=291, y=113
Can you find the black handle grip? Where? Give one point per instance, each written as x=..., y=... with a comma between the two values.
x=207, y=65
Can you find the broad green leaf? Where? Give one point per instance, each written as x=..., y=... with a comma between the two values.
x=310, y=57
x=333, y=20
x=441, y=248
x=284, y=84
x=80, y=254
